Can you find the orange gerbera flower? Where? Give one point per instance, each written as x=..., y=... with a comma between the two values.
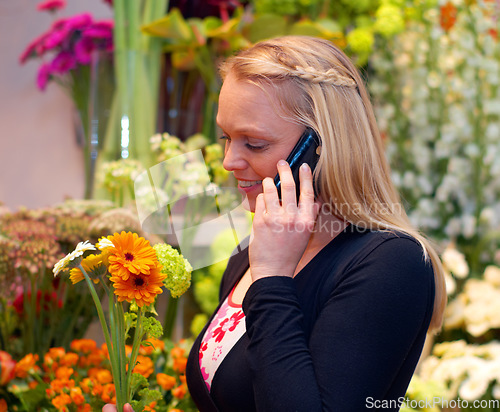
x=130, y=255
x=142, y=288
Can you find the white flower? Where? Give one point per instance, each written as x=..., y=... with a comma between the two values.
x=455, y=262
x=104, y=243
x=80, y=249
x=474, y=387
x=451, y=285
x=492, y=275
x=454, y=313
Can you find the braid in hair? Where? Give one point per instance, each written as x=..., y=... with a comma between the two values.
x=331, y=76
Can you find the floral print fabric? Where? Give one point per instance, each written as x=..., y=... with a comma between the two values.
x=224, y=331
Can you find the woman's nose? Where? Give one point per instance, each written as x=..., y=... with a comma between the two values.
x=233, y=159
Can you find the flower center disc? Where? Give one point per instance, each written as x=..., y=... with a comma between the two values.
x=129, y=257
x=139, y=281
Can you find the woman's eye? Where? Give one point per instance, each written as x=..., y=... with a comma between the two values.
x=252, y=147
x=224, y=137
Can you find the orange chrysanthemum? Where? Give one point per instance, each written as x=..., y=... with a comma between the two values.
x=166, y=382
x=130, y=255
x=144, y=366
x=142, y=288
x=83, y=345
x=26, y=365
x=153, y=345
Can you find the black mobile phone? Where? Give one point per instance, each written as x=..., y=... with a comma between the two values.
x=307, y=151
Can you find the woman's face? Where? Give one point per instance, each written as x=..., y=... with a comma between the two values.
x=256, y=136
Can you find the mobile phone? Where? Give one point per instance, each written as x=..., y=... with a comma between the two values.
x=307, y=151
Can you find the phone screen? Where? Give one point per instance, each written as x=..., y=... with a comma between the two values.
x=305, y=151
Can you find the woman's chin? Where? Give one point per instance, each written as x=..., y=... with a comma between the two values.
x=248, y=204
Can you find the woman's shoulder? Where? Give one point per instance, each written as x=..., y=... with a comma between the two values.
x=360, y=242
x=377, y=258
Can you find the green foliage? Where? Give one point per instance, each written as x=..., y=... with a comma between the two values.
x=152, y=327
x=137, y=382
x=30, y=399
x=147, y=396
x=176, y=267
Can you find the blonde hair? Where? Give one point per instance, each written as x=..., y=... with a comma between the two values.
x=316, y=85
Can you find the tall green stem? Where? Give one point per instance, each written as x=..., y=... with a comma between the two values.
x=120, y=401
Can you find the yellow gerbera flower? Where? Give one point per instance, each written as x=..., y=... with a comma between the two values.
x=141, y=288
x=130, y=255
x=89, y=264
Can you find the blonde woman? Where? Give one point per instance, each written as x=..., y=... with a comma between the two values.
x=329, y=305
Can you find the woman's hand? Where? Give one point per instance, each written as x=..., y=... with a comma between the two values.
x=109, y=407
x=280, y=232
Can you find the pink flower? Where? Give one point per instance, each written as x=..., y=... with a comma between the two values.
x=43, y=76
x=83, y=50
x=55, y=38
x=51, y=5
x=63, y=62
x=35, y=48
x=80, y=21
x=100, y=30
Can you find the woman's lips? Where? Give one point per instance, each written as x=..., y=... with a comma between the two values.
x=249, y=185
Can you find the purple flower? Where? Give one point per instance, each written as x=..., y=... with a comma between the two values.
x=63, y=62
x=83, y=50
x=43, y=76
x=51, y=5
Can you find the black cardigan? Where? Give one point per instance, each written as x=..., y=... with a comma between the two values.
x=345, y=334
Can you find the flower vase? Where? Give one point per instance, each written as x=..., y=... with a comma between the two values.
x=134, y=107
x=92, y=94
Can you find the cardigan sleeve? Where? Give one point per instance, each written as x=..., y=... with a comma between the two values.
x=374, y=319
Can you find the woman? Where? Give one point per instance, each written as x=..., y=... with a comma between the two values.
x=329, y=305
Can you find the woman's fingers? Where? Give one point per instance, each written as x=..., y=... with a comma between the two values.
x=307, y=205
x=109, y=407
x=288, y=195
x=271, y=201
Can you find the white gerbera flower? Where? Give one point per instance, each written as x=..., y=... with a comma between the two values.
x=80, y=249
x=104, y=243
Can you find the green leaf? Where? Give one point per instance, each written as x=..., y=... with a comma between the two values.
x=173, y=27
x=266, y=26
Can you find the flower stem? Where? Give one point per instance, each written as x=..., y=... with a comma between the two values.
x=120, y=402
x=138, y=334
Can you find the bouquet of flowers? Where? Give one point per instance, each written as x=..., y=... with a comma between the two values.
x=132, y=273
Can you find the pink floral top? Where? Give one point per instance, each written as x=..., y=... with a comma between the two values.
x=224, y=331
